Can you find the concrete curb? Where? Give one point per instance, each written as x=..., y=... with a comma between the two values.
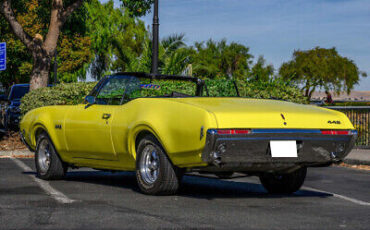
x=356, y=162
x=358, y=157
x=17, y=154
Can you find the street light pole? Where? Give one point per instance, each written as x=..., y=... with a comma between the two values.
x=155, y=44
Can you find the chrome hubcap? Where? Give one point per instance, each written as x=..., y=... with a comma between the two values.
x=44, y=156
x=149, y=164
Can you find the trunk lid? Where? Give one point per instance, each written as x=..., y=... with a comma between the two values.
x=262, y=113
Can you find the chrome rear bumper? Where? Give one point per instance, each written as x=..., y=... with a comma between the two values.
x=251, y=152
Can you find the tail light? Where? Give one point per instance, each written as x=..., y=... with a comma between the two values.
x=233, y=131
x=336, y=132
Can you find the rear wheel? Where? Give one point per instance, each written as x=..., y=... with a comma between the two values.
x=283, y=183
x=155, y=173
x=49, y=166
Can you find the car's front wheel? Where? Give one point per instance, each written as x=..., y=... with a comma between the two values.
x=49, y=166
x=155, y=173
x=283, y=183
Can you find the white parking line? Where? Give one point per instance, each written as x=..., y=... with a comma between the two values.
x=55, y=194
x=353, y=200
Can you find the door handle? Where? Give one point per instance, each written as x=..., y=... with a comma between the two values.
x=106, y=116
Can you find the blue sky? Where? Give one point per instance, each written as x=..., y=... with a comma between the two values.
x=275, y=28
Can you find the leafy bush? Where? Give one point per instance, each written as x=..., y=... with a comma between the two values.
x=273, y=89
x=61, y=94
x=74, y=93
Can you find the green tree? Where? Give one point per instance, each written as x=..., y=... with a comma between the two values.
x=321, y=68
x=73, y=45
x=19, y=63
x=219, y=59
x=138, y=7
x=52, y=15
x=177, y=61
x=260, y=71
x=117, y=39
x=174, y=55
x=74, y=56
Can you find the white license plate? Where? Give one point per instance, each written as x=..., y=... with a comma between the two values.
x=283, y=148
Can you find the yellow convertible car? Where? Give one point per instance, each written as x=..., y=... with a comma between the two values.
x=124, y=126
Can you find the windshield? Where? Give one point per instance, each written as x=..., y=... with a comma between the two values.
x=18, y=92
x=120, y=88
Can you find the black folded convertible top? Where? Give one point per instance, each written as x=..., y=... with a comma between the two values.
x=199, y=82
x=161, y=76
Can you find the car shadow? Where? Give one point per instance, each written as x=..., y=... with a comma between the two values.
x=199, y=187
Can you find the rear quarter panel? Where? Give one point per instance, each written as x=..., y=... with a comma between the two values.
x=176, y=125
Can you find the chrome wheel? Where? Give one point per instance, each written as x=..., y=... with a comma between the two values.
x=149, y=164
x=44, y=157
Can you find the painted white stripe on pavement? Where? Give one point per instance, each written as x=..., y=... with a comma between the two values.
x=55, y=194
x=353, y=200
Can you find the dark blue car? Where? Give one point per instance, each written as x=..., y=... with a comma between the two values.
x=11, y=111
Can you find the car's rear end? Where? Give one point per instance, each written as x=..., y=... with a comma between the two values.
x=255, y=135
x=257, y=150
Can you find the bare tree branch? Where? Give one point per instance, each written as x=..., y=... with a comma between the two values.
x=70, y=9
x=55, y=26
x=7, y=11
x=57, y=19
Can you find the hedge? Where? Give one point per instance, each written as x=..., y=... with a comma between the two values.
x=74, y=93
x=273, y=89
x=61, y=94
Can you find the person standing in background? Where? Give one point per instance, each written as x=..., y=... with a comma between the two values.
x=329, y=98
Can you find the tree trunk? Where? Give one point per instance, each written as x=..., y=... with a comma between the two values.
x=310, y=93
x=41, y=64
x=40, y=72
x=41, y=51
x=307, y=90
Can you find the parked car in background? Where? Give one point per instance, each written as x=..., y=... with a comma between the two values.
x=10, y=110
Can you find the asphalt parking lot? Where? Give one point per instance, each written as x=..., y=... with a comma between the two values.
x=332, y=198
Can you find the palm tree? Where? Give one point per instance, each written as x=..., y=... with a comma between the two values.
x=174, y=56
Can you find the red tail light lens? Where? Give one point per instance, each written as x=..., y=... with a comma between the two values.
x=242, y=131
x=335, y=132
x=225, y=131
x=233, y=131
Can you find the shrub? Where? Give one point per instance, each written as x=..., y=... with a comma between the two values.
x=74, y=93
x=61, y=94
x=273, y=89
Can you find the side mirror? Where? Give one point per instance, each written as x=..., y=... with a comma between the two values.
x=90, y=100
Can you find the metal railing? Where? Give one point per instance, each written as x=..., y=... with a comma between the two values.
x=360, y=118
